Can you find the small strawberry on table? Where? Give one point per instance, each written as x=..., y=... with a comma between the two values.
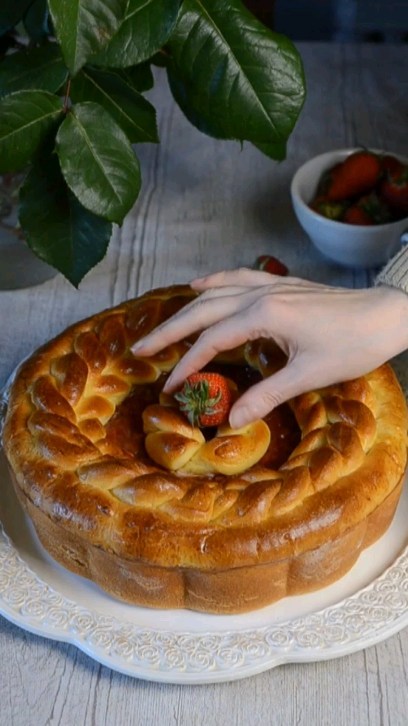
x=271, y=264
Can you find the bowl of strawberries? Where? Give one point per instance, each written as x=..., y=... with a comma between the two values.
x=353, y=204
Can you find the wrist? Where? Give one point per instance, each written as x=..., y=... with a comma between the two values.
x=397, y=306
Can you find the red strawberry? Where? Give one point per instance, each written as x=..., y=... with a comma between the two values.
x=357, y=215
x=205, y=399
x=394, y=190
x=326, y=180
x=359, y=173
x=368, y=209
x=270, y=264
x=391, y=165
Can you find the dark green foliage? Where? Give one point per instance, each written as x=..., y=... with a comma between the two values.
x=72, y=104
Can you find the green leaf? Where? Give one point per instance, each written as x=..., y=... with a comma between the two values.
x=36, y=21
x=26, y=118
x=232, y=77
x=98, y=162
x=275, y=151
x=11, y=13
x=39, y=68
x=146, y=27
x=139, y=77
x=161, y=59
x=57, y=227
x=84, y=27
x=135, y=115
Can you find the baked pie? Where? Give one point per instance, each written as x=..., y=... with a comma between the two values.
x=122, y=490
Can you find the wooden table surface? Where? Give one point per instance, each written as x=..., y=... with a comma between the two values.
x=208, y=205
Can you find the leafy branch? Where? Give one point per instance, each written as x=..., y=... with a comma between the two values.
x=73, y=74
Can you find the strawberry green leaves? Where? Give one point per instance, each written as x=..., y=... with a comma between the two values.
x=57, y=227
x=232, y=77
x=84, y=27
x=98, y=162
x=26, y=118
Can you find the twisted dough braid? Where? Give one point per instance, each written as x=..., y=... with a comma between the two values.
x=172, y=443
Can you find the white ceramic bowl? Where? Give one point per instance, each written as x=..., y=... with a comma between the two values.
x=348, y=244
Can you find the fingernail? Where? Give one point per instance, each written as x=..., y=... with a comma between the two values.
x=238, y=418
x=167, y=385
x=137, y=346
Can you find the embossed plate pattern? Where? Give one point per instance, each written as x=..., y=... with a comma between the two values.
x=367, y=606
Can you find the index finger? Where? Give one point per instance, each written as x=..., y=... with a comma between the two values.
x=225, y=335
x=201, y=313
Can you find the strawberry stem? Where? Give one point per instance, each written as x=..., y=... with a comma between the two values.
x=195, y=401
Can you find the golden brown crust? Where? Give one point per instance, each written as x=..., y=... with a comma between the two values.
x=177, y=446
x=206, y=541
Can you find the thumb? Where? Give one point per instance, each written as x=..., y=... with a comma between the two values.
x=261, y=398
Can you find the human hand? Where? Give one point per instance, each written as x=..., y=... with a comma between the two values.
x=329, y=334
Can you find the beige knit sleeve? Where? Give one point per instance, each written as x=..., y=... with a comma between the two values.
x=395, y=272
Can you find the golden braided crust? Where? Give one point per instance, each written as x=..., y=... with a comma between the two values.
x=172, y=443
x=219, y=543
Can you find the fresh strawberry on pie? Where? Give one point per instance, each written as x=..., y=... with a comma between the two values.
x=205, y=399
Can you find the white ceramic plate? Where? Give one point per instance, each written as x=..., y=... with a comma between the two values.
x=365, y=607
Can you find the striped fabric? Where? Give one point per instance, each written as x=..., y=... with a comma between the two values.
x=395, y=272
